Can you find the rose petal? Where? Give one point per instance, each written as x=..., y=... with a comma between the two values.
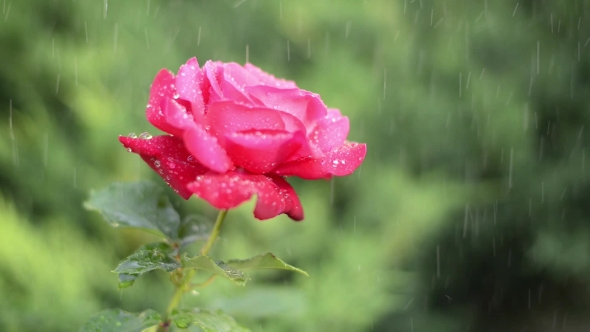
x=305, y=106
x=235, y=79
x=176, y=116
x=267, y=79
x=189, y=84
x=293, y=206
x=206, y=149
x=226, y=117
x=162, y=87
x=260, y=151
x=330, y=131
x=213, y=71
x=340, y=162
x=167, y=156
x=226, y=191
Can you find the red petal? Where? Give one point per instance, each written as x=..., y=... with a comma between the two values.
x=189, y=82
x=226, y=118
x=206, y=149
x=330, y=131
x=293, y=206
x=176, y=116
x=340, y=162
x=306, y=106
x=213, y=71
x=162, y=87
x=260, y=151
x=267, y=79
x=167, y=156
x=226, y=191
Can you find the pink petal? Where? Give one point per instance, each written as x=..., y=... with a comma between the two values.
x=167, y=156
x=331, y=131
x=267, y=79
x=206, y=149
x=293, y=206
x=226, y=117
x=176, y=116
x=340, y=162
x=292, y=124
x=189, y=84
x=213, y=71
x=306, y=106
x=226, y=191
x=260, y=151
x=162, y=87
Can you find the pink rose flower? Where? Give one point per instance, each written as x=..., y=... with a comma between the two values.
x=236, y=131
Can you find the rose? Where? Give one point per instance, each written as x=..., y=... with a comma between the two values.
x=236, y=131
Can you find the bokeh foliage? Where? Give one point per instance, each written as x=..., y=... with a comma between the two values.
x=470, y=212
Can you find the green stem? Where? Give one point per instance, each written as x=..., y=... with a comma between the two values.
x=185, y=286
x=214, y=233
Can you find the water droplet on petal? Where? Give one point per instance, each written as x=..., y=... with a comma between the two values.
x=335, y=162
x=190, y=158
x=145, y=135
x=176, y=96
x=157, y=163
x=132, y=135
x=129, y=150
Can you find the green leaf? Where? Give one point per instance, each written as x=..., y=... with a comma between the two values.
x=194, y=228
x=209, y=321
x=117, y=320
x=264, y=261
x=148, y=259
x=205, y=263
x=138, y=205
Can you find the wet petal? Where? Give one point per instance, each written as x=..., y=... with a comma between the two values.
x=206, y=149
x=226, y=191
x=306, y=106
x=226, y=117
x=189, y=84
x=260, y=151
x=167, y=156
x=267, y=79
x=162, y=87
x=176, y=116
x=340, y=162
x=293, y=206
x=213, y=71
x=330, y=131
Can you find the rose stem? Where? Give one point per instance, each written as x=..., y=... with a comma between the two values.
x=189, y=275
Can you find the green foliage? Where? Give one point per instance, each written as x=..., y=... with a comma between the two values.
x=205, y=263
x=209, y=321
x=154, y=256
x=117, y=320
x=264, y=261
x=142, y=205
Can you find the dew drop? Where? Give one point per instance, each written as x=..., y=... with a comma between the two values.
x=335, y=162
x=145, y=135
x=128, y=149
x=190, y=158
x=157, y=163
x=176, y=96
x=132, y=135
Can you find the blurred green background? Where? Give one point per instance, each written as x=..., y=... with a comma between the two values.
x=470, y=213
